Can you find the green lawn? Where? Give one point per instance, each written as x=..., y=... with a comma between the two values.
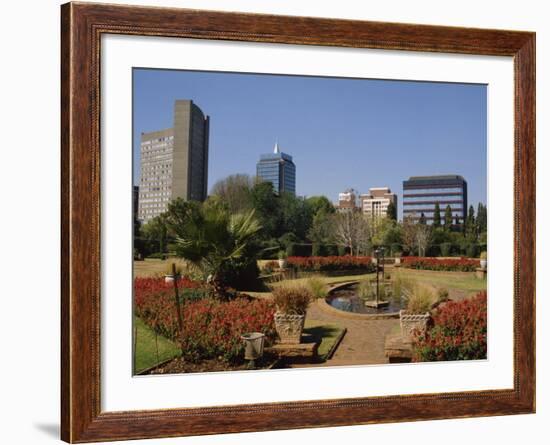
x=464, y=282
x=152, y=267
x=146, y=347
x=327, y=333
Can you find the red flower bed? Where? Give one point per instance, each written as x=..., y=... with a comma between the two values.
x=211, y=328
x=330, y=263
x=441, y=264
x=459, y=332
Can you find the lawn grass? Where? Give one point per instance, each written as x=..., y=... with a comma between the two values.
x=146, y=350
x=327, y=333
x=155, y=267
x=461, y=281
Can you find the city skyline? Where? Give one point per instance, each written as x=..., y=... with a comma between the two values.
x=342, y=133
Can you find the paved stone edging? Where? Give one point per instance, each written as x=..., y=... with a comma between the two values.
x=335, y=345
x=324, y=306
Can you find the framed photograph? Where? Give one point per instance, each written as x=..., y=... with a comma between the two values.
x=274, y=222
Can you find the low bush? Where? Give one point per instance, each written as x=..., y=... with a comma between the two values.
x=472, y=251
x=298, y=249
x=318, y=249
x=458, y=332
x=447, y=264
x=343, y=250
x=332, y=263
x=211, y=328
x=395, y=249
x=445, y=249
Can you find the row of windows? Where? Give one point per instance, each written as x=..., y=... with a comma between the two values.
x=420, y=189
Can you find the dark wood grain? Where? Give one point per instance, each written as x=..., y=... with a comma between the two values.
x=81, y=28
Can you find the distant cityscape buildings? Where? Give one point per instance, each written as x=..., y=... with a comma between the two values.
x=279, y=169
x=422, y=193
x=375, y=203
x=174, y=161
x=347, y=201
x=174, y=164
x=420, y=196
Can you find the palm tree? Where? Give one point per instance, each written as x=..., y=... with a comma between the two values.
x=214, y=240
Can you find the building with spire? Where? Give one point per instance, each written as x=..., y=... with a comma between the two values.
x=279, y=169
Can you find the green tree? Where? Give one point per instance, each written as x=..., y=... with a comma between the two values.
x=235, y=191
x=216, y=241
x=296, y=215
x=481, y=218
x=155, y=234
x=437, y=216
x=319, y=203
x=320, y=231
x=470, y=226
x=392, y=211
x=422, y=219
x=266, y=205
x=448, y=218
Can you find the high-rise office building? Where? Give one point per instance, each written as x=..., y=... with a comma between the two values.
x=174, y=161
x=421, y=193
x=277, y=168
x=375, y=203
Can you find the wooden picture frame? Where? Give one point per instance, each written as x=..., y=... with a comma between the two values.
x=82, y=26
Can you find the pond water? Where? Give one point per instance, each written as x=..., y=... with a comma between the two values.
x=346, y=299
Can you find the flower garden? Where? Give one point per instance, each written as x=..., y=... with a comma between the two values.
x=441, y=264
x=211, y=334
x=211, y=329
x=458, y=331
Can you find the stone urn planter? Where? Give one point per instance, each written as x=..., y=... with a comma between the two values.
x=282, y=263
x=410, y=322
x=289, y=327
x=483, y=264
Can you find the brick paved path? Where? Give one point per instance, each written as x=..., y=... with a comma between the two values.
x=364, y=339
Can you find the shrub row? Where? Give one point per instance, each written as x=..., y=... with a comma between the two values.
x=445, y=249
x=459, y=332
x=331, y=263
x=441, y=264
x=211, y=328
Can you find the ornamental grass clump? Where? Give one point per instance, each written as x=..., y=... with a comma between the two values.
x=292, y=299
x=420, y=298
x=317, y=287
x=366, y=290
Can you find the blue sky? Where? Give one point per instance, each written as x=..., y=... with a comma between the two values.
x=342, y=133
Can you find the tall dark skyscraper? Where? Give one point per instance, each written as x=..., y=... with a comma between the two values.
x=421, y=193
x=277, y=168
x=174, y=161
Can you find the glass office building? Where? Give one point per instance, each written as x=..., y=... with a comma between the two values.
x=277, y=168
x=421, y=193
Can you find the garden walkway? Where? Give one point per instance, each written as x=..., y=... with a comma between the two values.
x=364, y=339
